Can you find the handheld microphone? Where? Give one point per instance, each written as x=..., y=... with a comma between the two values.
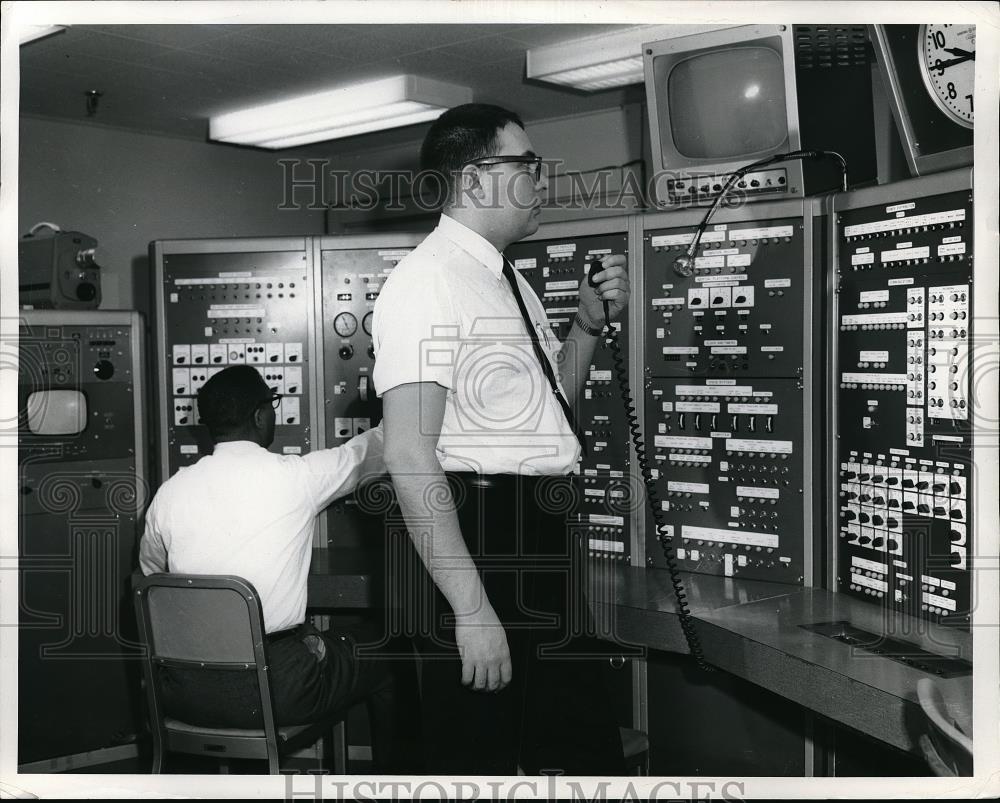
x=593, y=283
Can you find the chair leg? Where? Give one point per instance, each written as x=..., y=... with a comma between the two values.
x=158, y=752
x=339, y=749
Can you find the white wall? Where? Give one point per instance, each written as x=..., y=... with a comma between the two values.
x=582, y=142
x=126, y=188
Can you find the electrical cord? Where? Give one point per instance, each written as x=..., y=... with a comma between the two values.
x=684, y=264
x=610, y=340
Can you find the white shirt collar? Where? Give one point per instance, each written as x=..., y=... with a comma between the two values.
x=236, y=446
x=470, y=241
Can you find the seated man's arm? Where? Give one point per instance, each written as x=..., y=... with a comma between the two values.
x=152, y=552
x=333, y=473
x=413, y=416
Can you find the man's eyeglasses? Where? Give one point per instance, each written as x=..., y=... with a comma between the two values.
x=534, y=162
x=274, y=401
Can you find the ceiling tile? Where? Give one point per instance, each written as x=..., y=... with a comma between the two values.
x=198, y=67
x=487, y=50
x=172, y=78
x=431, y=64
x=307, y=37
x=79, y=42
x=538, y=35
x=173, y=36
x=267, y=54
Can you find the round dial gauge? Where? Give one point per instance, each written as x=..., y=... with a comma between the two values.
x=345, y=324
x=947, y=56
x=366, y=323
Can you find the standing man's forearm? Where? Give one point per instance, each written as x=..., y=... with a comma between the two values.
x=413, y=415
x=436, y=534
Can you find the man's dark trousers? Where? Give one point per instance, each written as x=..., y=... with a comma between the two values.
x=555, y=715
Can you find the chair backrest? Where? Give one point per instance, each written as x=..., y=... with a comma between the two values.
x=180, y=629
x=948, y=750
x=204, y=622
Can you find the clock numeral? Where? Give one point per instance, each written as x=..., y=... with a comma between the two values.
x=938, y=67
x=938, y=39
x=952, y=94
x=969, y=98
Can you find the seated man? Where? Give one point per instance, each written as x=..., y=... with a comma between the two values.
x=248, y=512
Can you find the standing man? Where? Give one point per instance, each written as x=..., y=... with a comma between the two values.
x=480, y=438
x=245, y=511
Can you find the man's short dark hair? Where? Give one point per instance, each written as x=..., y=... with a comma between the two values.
x=227, y=401
x=460, y=135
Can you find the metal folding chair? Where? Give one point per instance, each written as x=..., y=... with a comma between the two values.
x=200, y=622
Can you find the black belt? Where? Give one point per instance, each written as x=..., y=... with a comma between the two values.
x=278, y=635
x=498, y=481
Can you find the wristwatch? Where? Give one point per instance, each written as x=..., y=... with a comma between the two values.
x=590, y=330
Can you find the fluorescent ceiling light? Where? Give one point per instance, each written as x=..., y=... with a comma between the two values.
x=604, y=61
x=356, y=109
x=29, y=33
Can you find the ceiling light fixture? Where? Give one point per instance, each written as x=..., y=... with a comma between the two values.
x=604, y=61
x=29, y=33
x=335, y=113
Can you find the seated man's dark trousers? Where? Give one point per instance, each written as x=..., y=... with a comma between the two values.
x=312, y=675
x=556, y=713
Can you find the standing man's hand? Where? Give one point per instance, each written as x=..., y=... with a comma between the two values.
x=612, y=286
x=482, y=644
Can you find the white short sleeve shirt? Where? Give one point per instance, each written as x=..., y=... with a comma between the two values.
x=446, y=314
x=245, y=511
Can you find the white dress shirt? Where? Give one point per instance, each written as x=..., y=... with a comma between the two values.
x=446, y=314
x=245, y=511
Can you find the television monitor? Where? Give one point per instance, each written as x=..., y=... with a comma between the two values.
x=56, y=412
x=723, y=99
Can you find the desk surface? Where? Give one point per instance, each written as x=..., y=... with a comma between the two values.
x=749, y=628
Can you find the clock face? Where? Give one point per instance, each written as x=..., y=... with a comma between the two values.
x=947, y=55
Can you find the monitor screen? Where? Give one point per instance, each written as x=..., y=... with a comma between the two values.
x=727, y=103
x=57, y=412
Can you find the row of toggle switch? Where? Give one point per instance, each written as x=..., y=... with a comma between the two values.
x=697, y=419
x=878, y=235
